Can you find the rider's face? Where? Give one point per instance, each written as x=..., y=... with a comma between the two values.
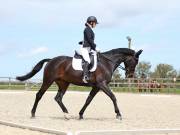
x=93, y=24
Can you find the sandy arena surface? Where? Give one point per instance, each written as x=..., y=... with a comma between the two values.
x=140, y=111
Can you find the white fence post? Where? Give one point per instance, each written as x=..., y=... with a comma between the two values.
x=9, y=84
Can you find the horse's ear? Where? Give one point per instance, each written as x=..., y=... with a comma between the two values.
x=138, y=53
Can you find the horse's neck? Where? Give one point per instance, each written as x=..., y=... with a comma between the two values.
x=114, y=60
x=118, y=59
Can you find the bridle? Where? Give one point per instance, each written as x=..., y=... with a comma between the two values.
x=121, y=67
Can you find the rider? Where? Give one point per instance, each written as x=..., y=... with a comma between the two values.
x=88, y=44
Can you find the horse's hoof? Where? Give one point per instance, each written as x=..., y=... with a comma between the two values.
x=80, y=117
x=66, y=116
x=119, y=117
x=32, y=115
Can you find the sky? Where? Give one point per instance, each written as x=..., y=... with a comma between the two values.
x=31, y=30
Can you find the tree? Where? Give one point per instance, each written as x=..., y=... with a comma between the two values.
x=172, y=73
x=164, y=71
x=178, y=74
x=143, y=68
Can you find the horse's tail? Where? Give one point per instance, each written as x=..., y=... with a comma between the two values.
x=35, y=70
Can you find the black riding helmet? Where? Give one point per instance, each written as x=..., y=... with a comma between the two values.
x=92, y=19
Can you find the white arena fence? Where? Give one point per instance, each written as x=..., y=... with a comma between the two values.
x=32, y=128
x=117, y=132
x=133, y=132
x=130, y=84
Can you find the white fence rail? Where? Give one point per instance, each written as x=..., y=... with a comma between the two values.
x=129, y=84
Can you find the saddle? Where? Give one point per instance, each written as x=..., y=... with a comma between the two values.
x=78, y=61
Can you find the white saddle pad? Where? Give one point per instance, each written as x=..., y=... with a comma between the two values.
x=77, y=63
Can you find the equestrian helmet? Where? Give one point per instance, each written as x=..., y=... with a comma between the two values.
x=92, y=19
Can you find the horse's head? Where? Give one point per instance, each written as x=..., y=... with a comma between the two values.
x=130, y=64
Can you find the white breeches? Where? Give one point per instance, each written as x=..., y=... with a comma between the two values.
x=85, y=53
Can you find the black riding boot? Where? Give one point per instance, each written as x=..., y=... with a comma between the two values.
x=85, y=72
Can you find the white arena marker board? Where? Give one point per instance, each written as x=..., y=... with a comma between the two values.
x=132, y=132
x=44, y=130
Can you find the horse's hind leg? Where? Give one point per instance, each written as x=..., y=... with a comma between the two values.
x=62, y=89
x=39, y=94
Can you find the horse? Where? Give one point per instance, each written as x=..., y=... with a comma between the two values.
x=60, y=71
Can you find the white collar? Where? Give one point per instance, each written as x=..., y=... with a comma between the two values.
x=89, y=25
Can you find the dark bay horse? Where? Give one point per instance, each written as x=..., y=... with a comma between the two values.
x=60, y=71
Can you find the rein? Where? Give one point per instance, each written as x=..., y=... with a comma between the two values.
x=121, y=67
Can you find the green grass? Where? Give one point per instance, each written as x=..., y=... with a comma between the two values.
x=71, y=87
x=81, y=88
x=13, y=87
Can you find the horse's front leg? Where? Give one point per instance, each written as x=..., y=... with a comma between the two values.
x=104, y=87
x=93, y=92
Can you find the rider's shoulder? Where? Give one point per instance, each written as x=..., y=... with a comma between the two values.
x=87, y=29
